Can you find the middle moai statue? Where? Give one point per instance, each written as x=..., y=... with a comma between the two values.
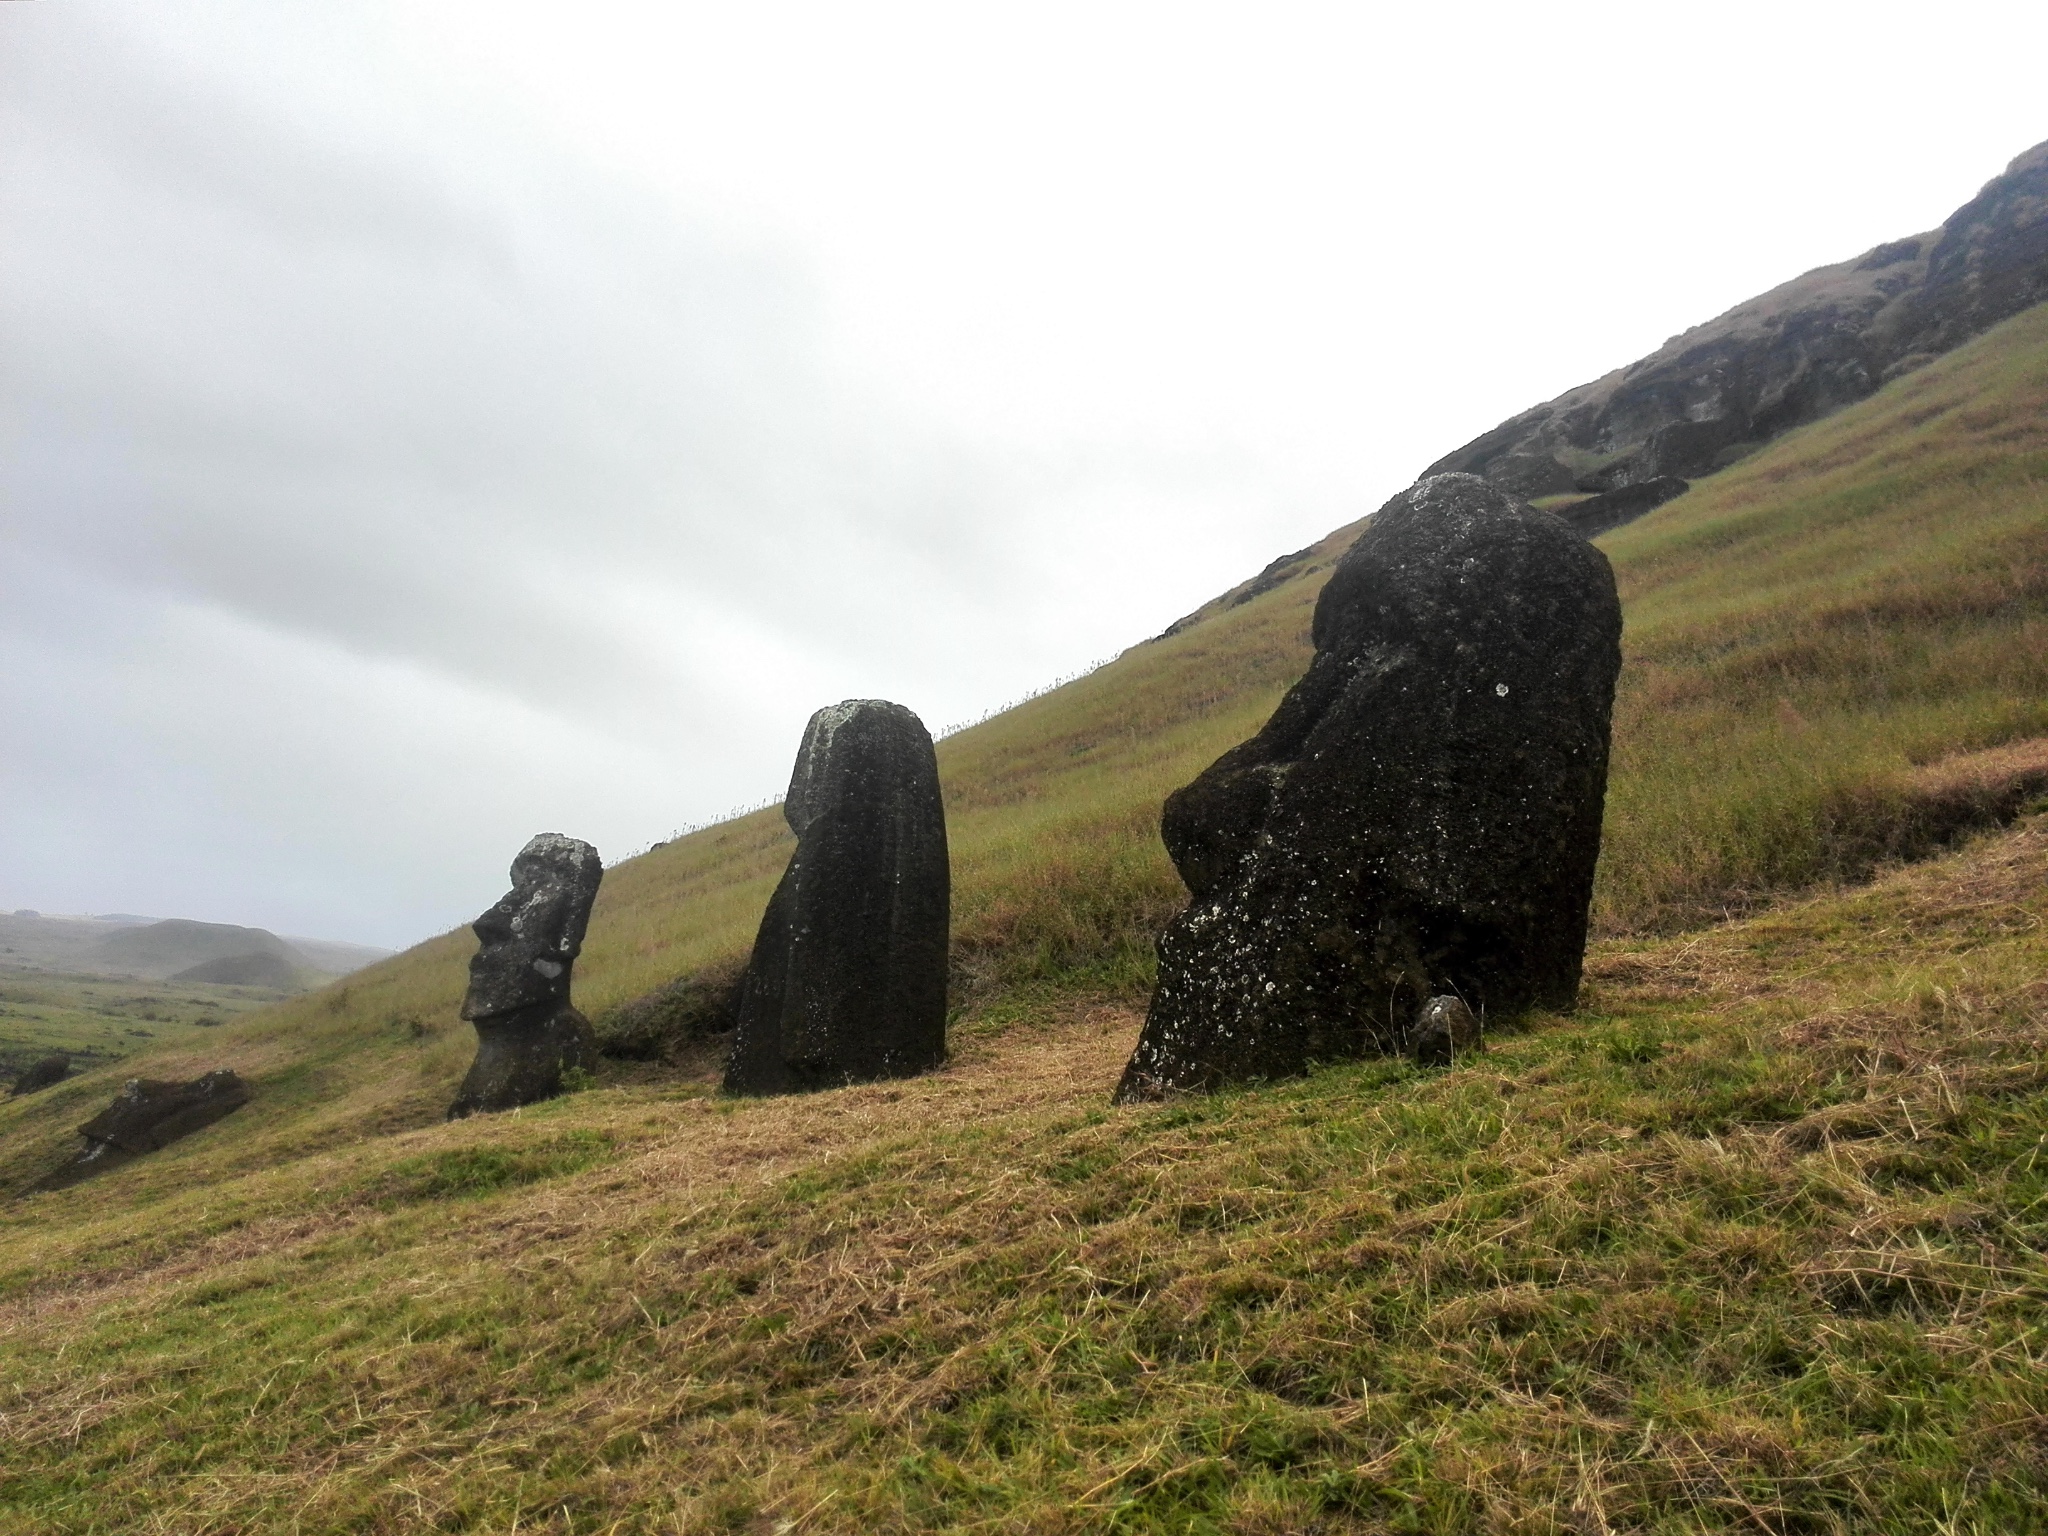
x=848, y=979
x=1420, y=817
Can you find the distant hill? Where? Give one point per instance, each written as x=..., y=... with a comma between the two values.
x=1787, y=357
x=43, y=942
x=160, y=951
x=155, y=949
x=258, y=969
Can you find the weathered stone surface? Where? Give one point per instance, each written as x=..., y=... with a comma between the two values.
x=1421, y=816
x=1530, y=474
x=528, y=1035
x=146, y=1115
x=43, y=1074
x=1808, y=347
x=1444, y=1028
x=848, y=979
x=1610, y=509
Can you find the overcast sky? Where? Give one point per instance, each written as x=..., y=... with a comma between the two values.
x=430, y=423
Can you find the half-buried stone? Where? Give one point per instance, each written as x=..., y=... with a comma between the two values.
x=527, y=1033
x=46, y=1073
x=1420, y=817
x=848, y=979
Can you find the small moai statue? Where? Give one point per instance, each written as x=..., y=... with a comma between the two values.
x=528, y=1035
x=848, y=979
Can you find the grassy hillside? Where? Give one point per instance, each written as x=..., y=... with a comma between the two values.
x=95, y=1020
x=1751, y=1242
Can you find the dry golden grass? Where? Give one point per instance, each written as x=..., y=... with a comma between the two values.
x=1757, y=1239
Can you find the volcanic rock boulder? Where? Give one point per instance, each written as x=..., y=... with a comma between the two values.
x=1420, y=817
x=848, y=979
x=46, y=1073
x=1445, y=1028
x=147, y=1115
x=528, y=1035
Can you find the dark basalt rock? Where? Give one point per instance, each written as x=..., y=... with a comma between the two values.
x=39, y=1075
x=1597, y=514
x=528, y=1035
x=1421, y=816
x=147, y=1115
x=1444, y=1028
x=1826, y=339
x=848, y=979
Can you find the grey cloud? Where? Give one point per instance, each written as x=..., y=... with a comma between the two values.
x=374, y=504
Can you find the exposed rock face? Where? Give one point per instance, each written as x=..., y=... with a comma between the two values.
x=1610, y=509
x=848, y=979
x=1790, y=356
x=528, y=1035
x=1445, y=1027
x=146, y=1115
x=1421, y=816
x=48, y=1072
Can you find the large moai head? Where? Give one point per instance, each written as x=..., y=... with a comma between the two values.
x=848, y=978
x=530, y=939
x=1421, y=815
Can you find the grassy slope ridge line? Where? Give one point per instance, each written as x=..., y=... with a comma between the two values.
x=1807, y=628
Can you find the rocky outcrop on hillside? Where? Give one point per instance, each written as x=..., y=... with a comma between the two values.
x=46, y=1072
x=1809, y=347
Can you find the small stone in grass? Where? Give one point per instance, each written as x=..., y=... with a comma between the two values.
x=1443, y=1028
